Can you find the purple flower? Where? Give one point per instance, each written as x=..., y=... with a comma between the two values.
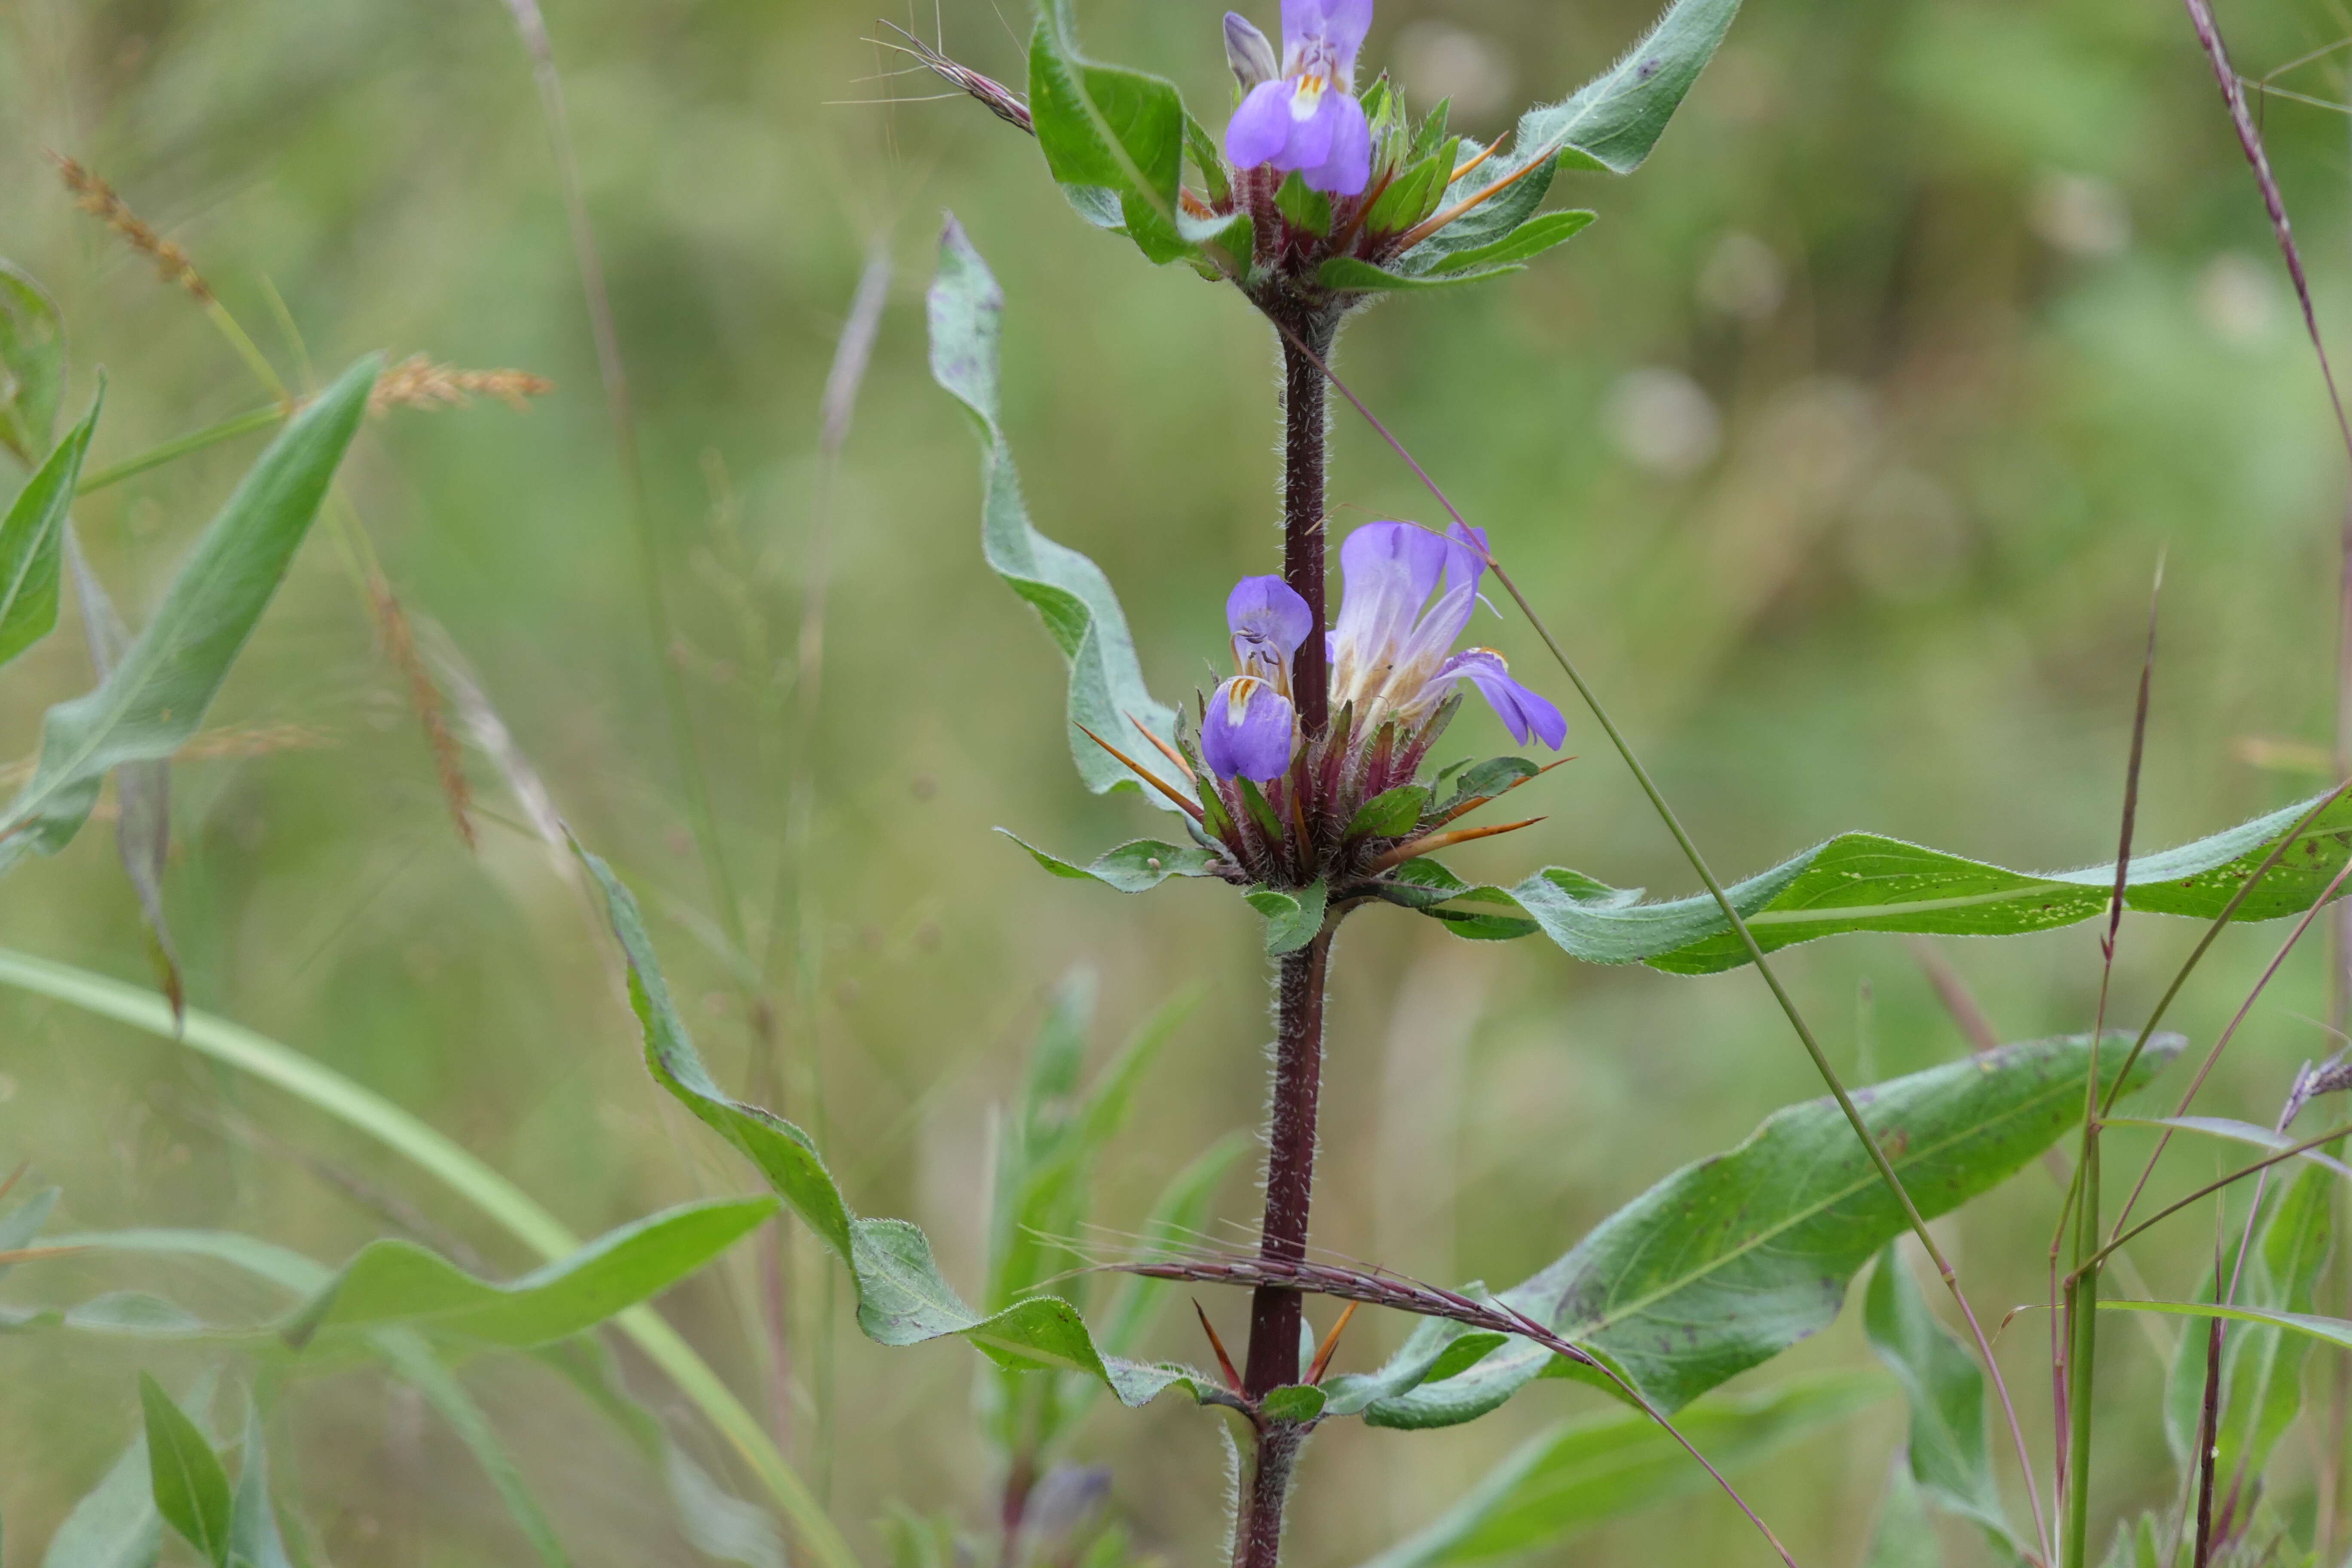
x=1307, y=117
x=1393, y=648
x=1248, y=731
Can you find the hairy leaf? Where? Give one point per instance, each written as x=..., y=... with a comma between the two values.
x=1580, y=1473
x=1729, y=1261
x=1862, y=882
x=1349, y=273
x=191, y=1489
x=1950, y=1454
x=155, y=699
x=1131, y=868
x=901, y=1298
x=1069, y=591
x=1612, y=122
x=395, y=1282
x=32, y=365
x=32, y=542
x=1292, y=919
x=1529, y=240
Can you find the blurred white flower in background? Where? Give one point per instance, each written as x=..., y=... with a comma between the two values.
x=1663, y=420
x=2238, y=298
x=1742, y=278
x=2081, y=215
x=1437, y=59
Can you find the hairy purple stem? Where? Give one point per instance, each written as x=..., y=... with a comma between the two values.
x=1305, y=424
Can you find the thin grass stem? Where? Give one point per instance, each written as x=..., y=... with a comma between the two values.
x=195, y=441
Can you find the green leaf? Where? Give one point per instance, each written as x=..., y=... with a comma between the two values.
x=115, y=1524
x=1347, y=274
x=1612, y=122
x=1293, y=1402
x=1531, y=240
x=901, y=1298
x=1292, y=920
x=1261, y=811
x=1862, y=882
x=1132, y=868
x=253, y=1541
x=1069, y=591
x=414, y=1360
x=1484, y=781
x=1408, y=198
x=32, y=540
x=191, y=1489
x=2236, y=1132
x=1580, y=1473
x=1729, y=1261
x=32, y=365
x=1308, y=209
x=1950, y=1454
x=1391, y=814
x=1116, y=131
x=155, y=699
x=1903, y=1536
x=2334, y=1331
x=395, y=1282
x=20, y=1225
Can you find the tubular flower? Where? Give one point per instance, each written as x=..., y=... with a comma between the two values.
x=1307, y=119
x=1394, y=660
x=1249, y=726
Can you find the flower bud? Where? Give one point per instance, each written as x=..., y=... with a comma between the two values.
x=1248, y=52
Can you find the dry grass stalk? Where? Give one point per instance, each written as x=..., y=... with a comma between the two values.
x=432, y=709
x=418, y=382
x=99, y=199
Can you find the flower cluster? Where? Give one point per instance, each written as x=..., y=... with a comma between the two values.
x=1288, y=809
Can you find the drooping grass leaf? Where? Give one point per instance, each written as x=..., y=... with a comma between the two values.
x=192, y=1490
x=32, y=540
x=1612, y=122
x=253, y=1541
x=156, y=697
x=901, y=1298
x=1581, y=1473
x=395, y=1282
x=1950, y=1453
x=1069, y=591
x=32, y=365
x=2335, y=1331
x=1862, y=882
x=2235, y=1131
x=1729, y=1261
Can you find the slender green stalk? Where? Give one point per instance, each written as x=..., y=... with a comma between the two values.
x=194, y=441
x=514, y=1210
x=1747, y=940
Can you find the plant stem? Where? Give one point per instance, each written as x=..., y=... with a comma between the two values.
x=1305, y=344
x=156, y=457
x=1275, y=1313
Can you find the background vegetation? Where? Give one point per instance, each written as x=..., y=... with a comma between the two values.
x=1841, y=450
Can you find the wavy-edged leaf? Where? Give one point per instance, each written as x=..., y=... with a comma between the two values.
x=32, y=365
x=32, y=540
x=398, y=1283
x=1523, y=244
x=155, y=699
x=1292, y=919
x=192, y=1490
x=1580, y=1473
x=901, y=1298
x=1950, y=1452
x=1730, y=1260
x=1069, y=591
x=1612, y=122
x=1863, y=882
x=1133, y=868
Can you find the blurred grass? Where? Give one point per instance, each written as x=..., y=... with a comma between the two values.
x=2005, y=322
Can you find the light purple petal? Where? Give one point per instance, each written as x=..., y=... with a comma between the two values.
x=1386, y=571
x=1524, y=713
x=1268, y=610
x=1345, y=23
x=1247, y=730
x=1301, y=19
x=1310, y=139
x=1347, y=167
x=1248, y=53
x=1260, y=128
